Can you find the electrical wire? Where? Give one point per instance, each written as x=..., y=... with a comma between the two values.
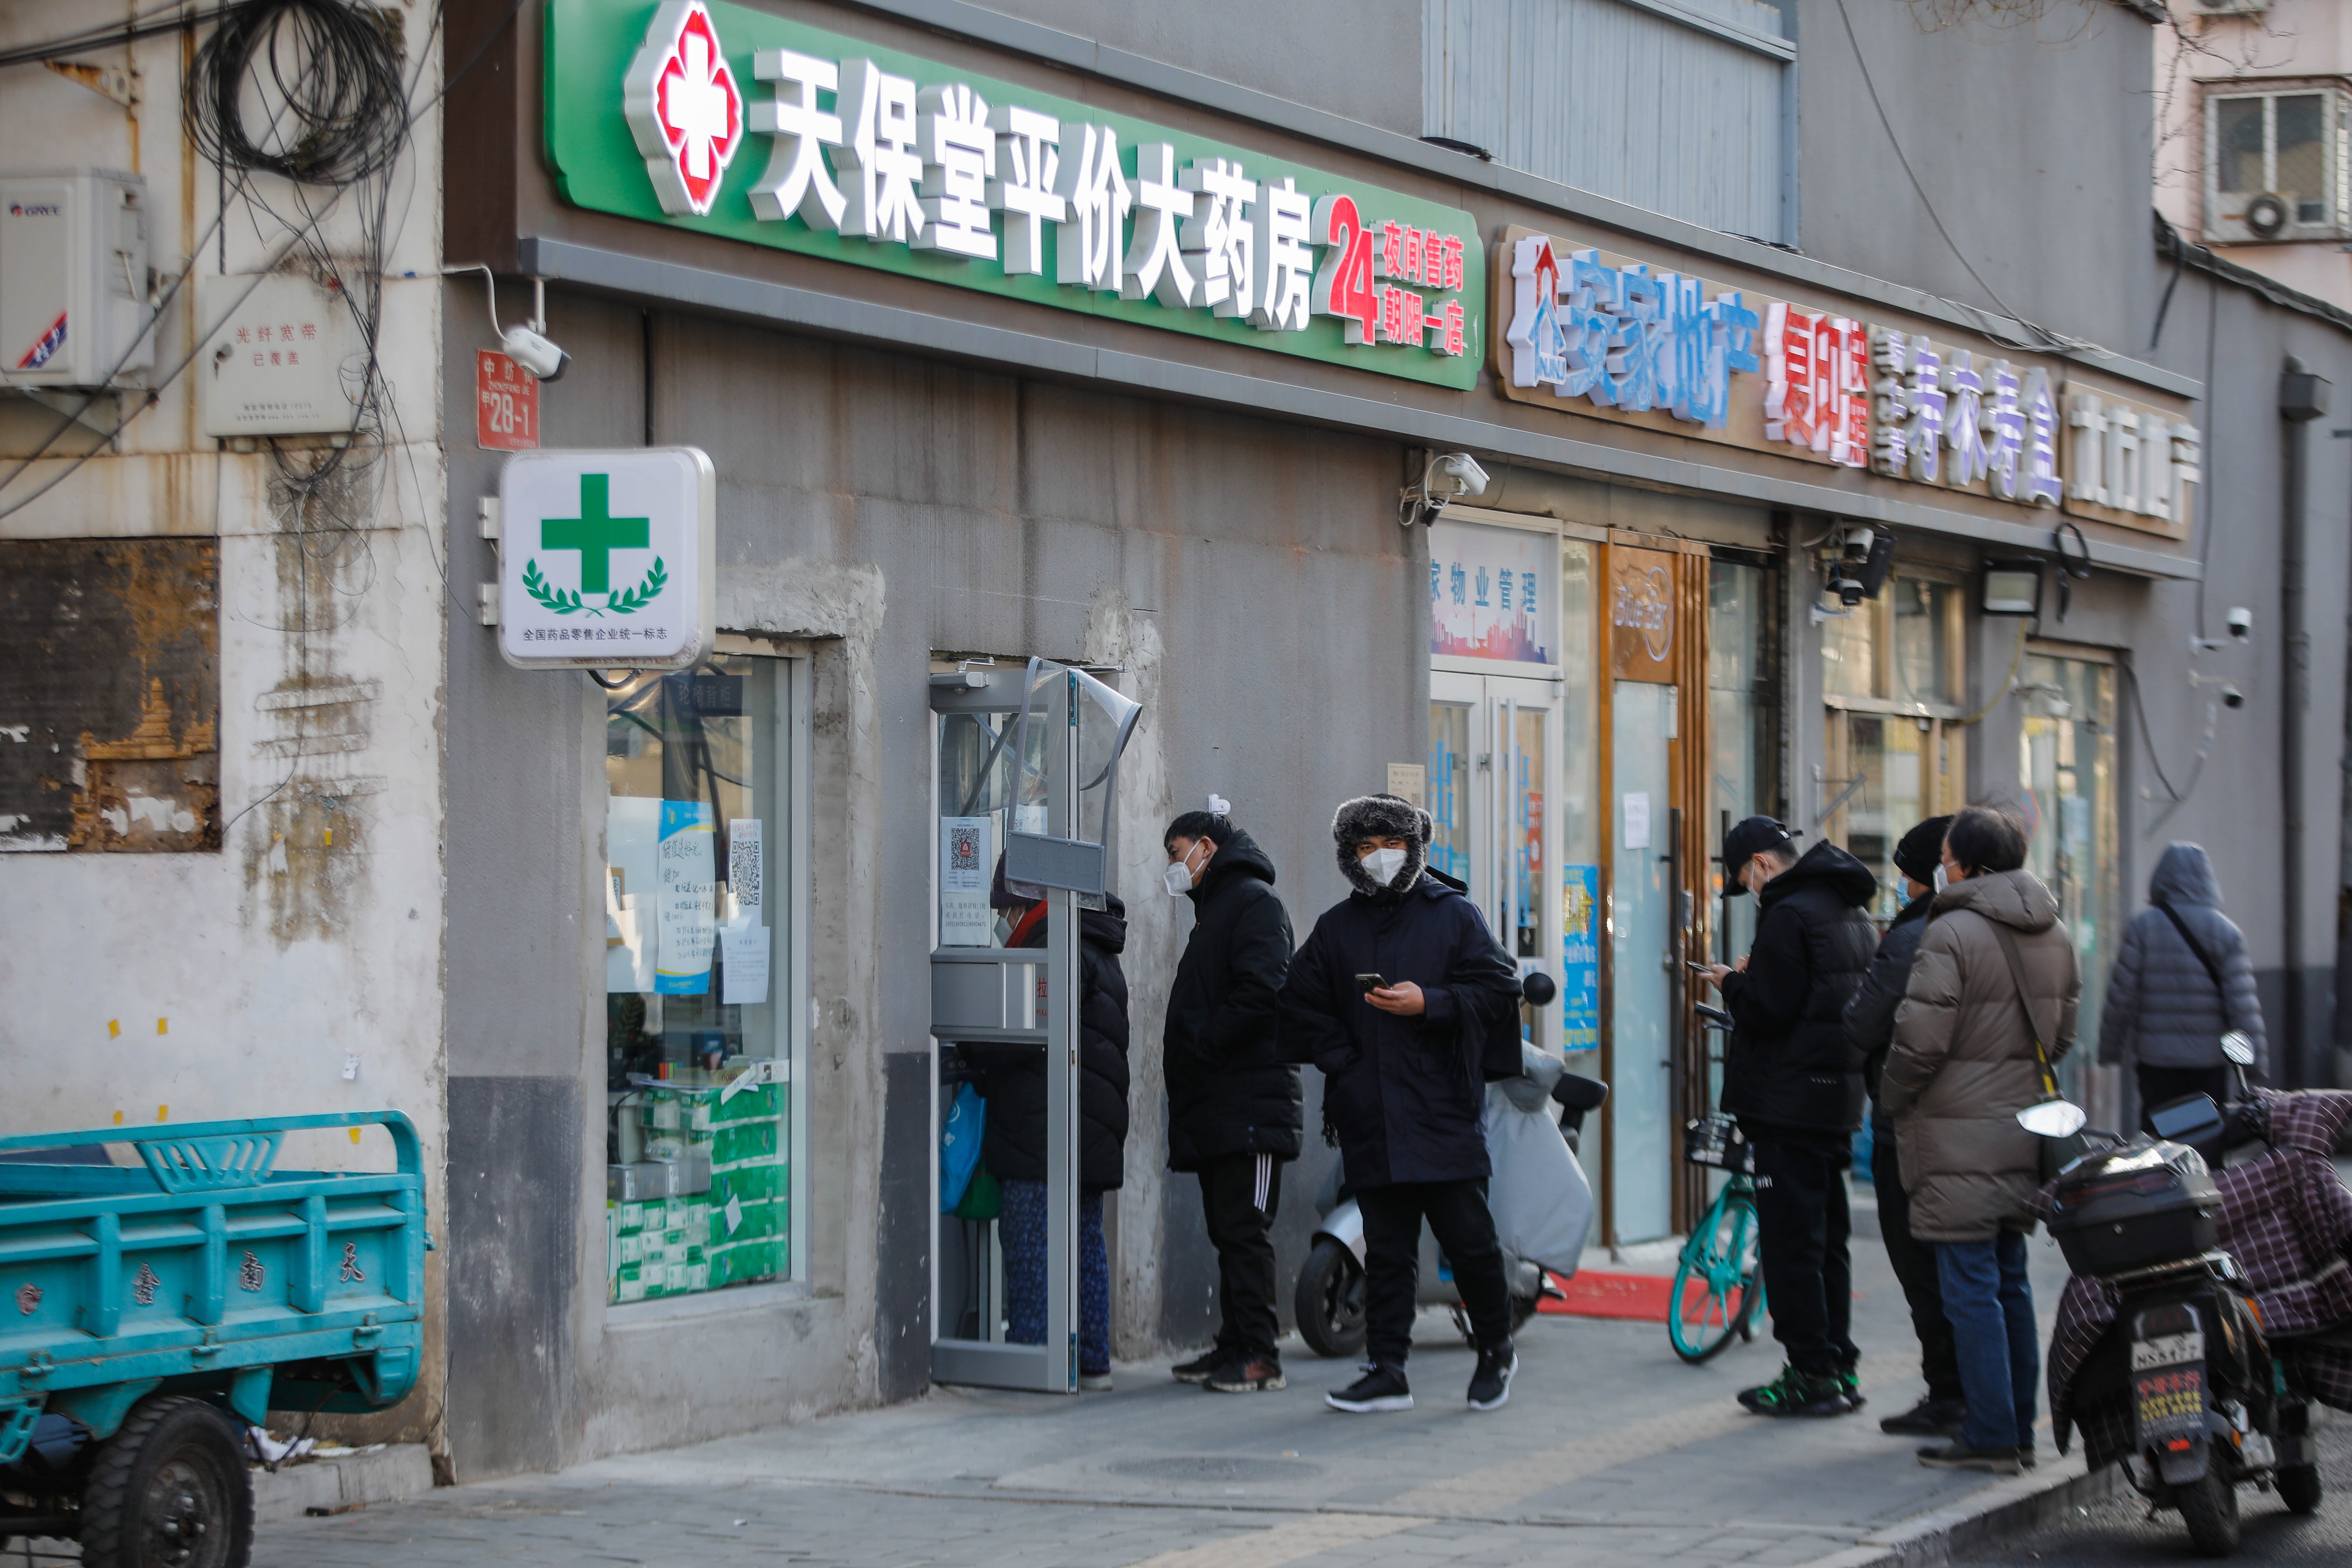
x=146, y=24
x=331, y=65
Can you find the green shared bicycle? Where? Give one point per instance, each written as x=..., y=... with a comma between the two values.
x=1717, y=1293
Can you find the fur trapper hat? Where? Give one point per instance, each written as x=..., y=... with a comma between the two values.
x=1380, y=817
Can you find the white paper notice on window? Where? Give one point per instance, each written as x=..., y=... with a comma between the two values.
x=967, y=864
x=743, y=954
x=745, y=867
x=688, y=864
x=1637, y=820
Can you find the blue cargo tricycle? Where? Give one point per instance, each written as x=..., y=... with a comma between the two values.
x=140, y=1308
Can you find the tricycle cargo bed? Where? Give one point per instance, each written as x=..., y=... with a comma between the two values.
x=205, y=1271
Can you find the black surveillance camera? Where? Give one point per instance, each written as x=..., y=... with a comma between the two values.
x=2232, y=697
x=1865, y=556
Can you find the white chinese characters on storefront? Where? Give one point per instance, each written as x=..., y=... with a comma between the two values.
x=1623, y=337
x=2129, y=459
x=936, y=167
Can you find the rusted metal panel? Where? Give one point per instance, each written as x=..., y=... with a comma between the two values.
x=110, y=694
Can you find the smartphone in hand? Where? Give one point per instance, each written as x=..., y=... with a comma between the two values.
x=1370, y=983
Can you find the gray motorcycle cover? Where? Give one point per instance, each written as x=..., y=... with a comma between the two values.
x=1542, y=1202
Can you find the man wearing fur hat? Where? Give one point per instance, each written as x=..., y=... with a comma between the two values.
x=1390, y=998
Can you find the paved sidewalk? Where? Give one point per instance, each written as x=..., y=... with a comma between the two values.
x=1610, y=1452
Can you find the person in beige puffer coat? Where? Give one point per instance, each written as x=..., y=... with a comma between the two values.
x=1961, y=1068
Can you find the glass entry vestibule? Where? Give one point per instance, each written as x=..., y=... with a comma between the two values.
x=1567, y=774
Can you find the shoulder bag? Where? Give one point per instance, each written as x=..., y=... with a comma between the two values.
x=2213, y=969
x=2057, y=1154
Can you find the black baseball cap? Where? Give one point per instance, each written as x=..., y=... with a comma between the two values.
x=1748, y=839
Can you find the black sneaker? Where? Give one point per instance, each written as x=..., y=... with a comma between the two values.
x=1240, y=1376
x=1850, y=1383
x=1380, y=1388
x=1794, y=1393
x=1931, y=1418
x=1960, y=1457
x=1201, y=1368
x=1490, y=1385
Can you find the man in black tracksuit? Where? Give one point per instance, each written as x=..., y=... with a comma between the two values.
x=1870, y=1030
x=1234, y=1113
x=1796, y=1088
x=1393, y=996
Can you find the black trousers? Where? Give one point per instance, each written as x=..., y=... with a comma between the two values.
x=1914, y=1266
x=1802, y=1225
x=1239, y=1194
x=1465, y=1228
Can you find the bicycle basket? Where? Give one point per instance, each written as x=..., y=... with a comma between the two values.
x=1715, y=1139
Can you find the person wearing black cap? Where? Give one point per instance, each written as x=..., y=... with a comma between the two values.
x=1796, y=1088
x=1392, y=995
x=1870, y=1030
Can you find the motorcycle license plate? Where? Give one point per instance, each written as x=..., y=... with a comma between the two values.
x=2167, y=1377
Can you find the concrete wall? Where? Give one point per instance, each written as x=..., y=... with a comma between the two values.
x=1249, y=577
x=242, y=978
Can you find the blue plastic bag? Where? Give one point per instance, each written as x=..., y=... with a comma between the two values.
x=960, y=1145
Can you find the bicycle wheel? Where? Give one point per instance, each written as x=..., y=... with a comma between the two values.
x=1716, y=1292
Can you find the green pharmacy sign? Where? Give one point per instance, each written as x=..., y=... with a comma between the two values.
x=742, y=124
x=607, y=558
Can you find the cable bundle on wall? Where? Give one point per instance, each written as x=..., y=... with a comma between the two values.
x=332, y=69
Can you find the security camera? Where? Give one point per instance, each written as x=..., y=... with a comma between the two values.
x=2242, y=623
x=534, y=352
x=2232, y=697
x=1469, y=479
x=1864, y=556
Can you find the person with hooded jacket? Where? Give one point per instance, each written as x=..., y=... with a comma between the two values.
x=1233, y=1103
x=1013, y=1142
x=2166, y=1009
x=1392, y=997
x=1796, y=1086
x=1870, y=1030
x=1963, y=1064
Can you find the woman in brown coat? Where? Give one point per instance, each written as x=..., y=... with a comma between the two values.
x=1961, y=1068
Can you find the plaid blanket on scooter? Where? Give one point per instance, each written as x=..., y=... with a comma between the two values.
x=2287, y=1219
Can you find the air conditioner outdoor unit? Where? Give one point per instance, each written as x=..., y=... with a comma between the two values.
x=2265, y=215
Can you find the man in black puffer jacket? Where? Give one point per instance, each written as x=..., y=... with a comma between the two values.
x=1392, y=996
x=1796, y=1086
x=1233, y=1105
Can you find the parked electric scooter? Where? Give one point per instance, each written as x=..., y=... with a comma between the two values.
x=2163, y=1356
x=1329, y=1298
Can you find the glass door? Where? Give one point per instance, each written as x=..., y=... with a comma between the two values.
x=1493, y=761
x=2067, y=771
x=1642, y=1013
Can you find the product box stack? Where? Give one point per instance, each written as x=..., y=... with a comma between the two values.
x=739, y=1228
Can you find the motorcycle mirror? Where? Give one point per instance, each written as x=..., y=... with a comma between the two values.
x=1541, y=988
x=2238, y=1047
x=2052, y=1119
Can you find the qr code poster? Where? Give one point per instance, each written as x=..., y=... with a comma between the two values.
x=964, y=842
x=746, y=864
x=967, y=865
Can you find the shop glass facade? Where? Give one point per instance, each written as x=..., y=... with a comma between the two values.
x=699, y=973
x=2066, y=761
x=1575, y=799
x=1891, y=680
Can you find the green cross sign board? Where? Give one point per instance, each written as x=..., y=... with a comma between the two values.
x=607, y=559
x=713, y=117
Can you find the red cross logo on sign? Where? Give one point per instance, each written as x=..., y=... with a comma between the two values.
x=683, y=108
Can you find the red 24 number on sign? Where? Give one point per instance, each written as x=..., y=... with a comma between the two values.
x=506, y=405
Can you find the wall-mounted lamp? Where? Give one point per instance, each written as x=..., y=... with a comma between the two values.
x=2011, y=588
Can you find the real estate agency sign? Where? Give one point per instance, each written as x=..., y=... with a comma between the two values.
x=1606, y=336
x=732, y=121
x=607, y=559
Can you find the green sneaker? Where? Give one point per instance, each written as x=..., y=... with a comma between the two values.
x=1794, y=1393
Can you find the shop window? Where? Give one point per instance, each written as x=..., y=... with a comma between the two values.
x=701, y=969
x=2067, y=763
x=2286, y=145
x=1890, y=679
x=1449, y=789
x=1743, y=722
x=1576, y=801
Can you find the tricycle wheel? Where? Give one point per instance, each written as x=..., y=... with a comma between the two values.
x=2209, y=1506
x=170, y=1490
x=2298, y=1487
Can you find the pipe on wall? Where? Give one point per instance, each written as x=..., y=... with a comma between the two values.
x=2301, y=398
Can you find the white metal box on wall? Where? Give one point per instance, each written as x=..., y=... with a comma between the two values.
x=73, y=279
x=274, y=365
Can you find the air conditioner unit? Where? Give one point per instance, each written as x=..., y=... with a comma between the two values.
x=73, y=279
x=2242, y=217
x=2232, y=7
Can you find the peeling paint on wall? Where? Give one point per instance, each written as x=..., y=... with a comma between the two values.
x=110, y=694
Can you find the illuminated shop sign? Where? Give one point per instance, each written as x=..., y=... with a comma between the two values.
x=1612, y=337
x=739, y=124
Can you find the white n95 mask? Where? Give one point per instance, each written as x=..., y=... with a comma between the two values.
x=1178, y=880
x=1383, y=865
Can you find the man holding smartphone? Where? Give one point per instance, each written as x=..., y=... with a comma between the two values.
x=1393, y=997
x=1796, y=1086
